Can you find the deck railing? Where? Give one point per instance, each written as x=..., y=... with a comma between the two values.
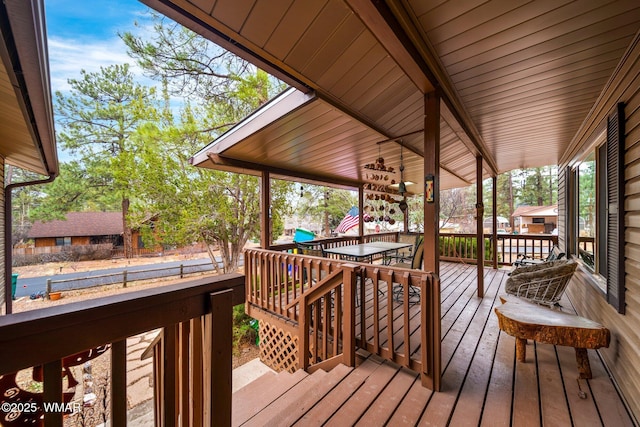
x=328, y=301
x=460, y=247
x=193, y=382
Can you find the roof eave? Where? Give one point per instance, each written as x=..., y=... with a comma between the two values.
x=283, y=104
x=25, y=57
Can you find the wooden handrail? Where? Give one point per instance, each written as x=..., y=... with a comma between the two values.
x=32, y=337
x=47, y=336
x=342, y=332
x=312, y=299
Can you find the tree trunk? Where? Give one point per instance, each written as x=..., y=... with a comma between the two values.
x=212, y=256
x=126, y=233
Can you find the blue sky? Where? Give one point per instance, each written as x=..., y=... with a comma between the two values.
x=84, y=35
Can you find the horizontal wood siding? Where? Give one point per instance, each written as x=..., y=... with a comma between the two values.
x=2, y=245
x=623, y=355
x=45, y=241
x=80, y=240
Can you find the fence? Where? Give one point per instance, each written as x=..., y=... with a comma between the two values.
x=127, y=276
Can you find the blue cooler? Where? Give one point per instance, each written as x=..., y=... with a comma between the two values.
x=303, y=235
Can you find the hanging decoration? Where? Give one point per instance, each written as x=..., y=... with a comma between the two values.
x=402, y=186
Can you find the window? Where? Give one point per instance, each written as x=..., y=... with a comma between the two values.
x=538, y=220
x=63, y=241
x=587, y=210
x=598, y=222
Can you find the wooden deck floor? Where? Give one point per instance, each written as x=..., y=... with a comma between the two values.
x=482, y=383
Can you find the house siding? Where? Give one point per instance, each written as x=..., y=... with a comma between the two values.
x=2, y=244
x=80, y=240
x=623, y=355
x=45, y=241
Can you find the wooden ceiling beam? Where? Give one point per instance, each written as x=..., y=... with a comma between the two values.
x=391, y=16
x=242, y=166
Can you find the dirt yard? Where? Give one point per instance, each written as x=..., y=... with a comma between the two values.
x=242, y=355
x=139, y=372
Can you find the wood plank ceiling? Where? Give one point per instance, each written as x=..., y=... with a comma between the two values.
x=518, y=79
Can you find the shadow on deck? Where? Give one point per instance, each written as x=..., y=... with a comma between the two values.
x=481, y=382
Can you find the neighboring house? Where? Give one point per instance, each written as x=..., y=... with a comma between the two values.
x=535, y=219
x=503, y=224
x=79, y=228
x=86, y=228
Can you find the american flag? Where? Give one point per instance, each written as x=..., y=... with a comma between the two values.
x=352, y=219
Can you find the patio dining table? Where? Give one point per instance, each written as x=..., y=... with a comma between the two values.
x=368, y=250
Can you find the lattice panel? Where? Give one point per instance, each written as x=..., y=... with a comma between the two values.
x=278, y=348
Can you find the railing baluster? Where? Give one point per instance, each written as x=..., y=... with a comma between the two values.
x=183, y=363
x=303, y=336
x=119, y=383
x=326, y=325
x=338, y=335
x=350, y=273
x=52, y=375
x=221, y=357
x=406, y=326
x=170, y=415
x=196, y=372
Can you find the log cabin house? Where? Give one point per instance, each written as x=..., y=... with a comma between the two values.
x=456, y=92
x=79, y=228
x=86, y=228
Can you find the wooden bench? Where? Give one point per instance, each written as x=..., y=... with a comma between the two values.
x=526, y=321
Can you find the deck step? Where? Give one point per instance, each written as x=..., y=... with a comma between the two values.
x=349, y=386
x=252, y=398
x=362, y=400
x=267, y=377
x=294, y=404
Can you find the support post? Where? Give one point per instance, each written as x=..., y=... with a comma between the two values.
x=432, y=169
x=265, y=210
x=494, y=181
x=361, y=211
x=479, y=226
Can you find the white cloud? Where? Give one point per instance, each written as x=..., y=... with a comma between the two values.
x=67, y=57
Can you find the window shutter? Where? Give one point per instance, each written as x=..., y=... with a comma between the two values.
x=615, y=209
x=564, y=209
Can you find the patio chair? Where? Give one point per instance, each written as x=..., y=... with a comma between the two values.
x=587, y=257
x=404, y=254
x=554, y=254
x=313, y=249
x=416, y=264
x=542, y=283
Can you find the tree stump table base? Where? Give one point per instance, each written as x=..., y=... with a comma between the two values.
x=526, y=321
